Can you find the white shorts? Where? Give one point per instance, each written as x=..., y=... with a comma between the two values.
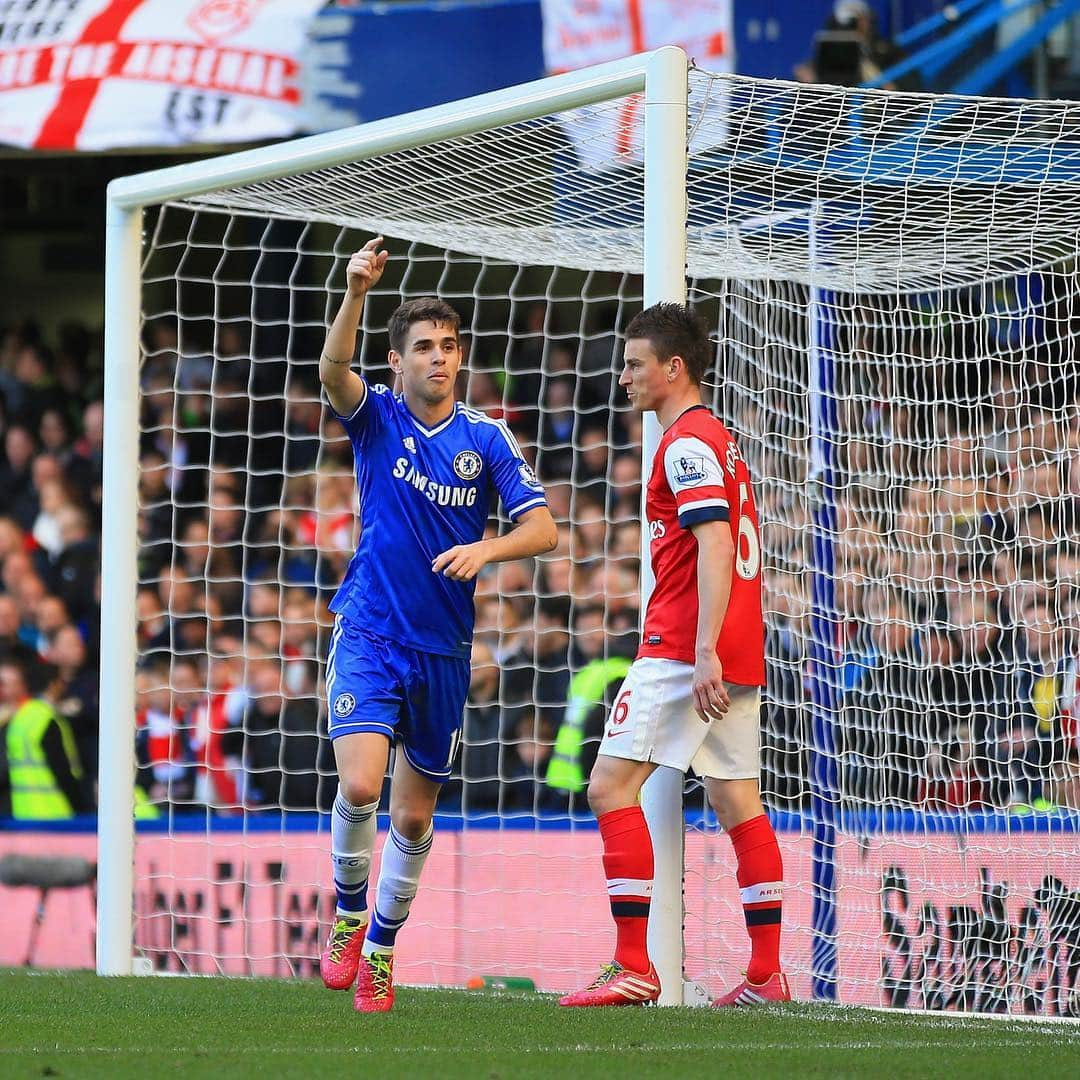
x=653, y=719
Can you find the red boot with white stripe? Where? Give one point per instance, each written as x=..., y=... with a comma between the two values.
x=615, y=985
x=773, y=989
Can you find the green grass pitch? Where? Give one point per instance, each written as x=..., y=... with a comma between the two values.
x=76, y=1025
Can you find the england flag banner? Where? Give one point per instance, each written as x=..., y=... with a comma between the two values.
x=99, y=74
x=578, y=33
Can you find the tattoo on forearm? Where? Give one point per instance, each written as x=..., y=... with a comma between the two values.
x=331, y=360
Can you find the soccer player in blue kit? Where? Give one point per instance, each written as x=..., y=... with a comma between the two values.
x=397, y=670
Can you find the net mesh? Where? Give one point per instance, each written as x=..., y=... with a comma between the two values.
x=922, y=250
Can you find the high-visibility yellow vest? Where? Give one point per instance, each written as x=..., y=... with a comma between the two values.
x=586, y=691
x=35, y=794
x=145, y=810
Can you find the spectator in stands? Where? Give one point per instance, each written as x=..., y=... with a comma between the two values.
x=299, y=641
x=479, y=764
x=177, y=596
x=150, y=618
x=217, y=773
x=624, y=494
x=277, y=742
x=589, y=535
x=849, y=51
x=303, y=419
x=590, y=472
x=232, y=421
x=1065, y=787
x=226, y=521
x=163, y=753
x=36, y=387
x=485, y=393
x=156, y=513
x=785, y=739
x=195, y=552
x=87, y=458
x=54, y=434
x=29, y=591
x=11, y=641
x=43, y=777
x=971, y=513
x=11, y=538
x=536, y=673
x=954, y=780
x=73, y=570
x=972, y=686
x=77, y=693
x=52, y=495
x=525, y=363
x=885, y=735
x=527, y=742
x=590, y=695
x=560, y=495
x=162, y=350
x=1036, y=740
x=50, y=615
x=17, y=485
x=556, y=433
x=597, y=356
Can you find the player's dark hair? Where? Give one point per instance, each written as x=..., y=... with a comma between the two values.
x=674, y=330
x=423, y=309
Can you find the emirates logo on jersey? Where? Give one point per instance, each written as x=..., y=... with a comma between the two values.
x=691, y=471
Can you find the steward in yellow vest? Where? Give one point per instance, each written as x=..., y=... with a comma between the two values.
x=45, y=778
x=568, y=769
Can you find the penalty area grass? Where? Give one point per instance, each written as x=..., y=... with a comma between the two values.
x=74, y=1024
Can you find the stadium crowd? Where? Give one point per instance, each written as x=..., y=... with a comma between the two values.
x=955, y=582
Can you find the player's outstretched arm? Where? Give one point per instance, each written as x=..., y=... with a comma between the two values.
x=534, y=534
x=344, y=388
x=715, y=564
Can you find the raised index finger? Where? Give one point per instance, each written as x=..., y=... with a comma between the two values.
x=372, y=244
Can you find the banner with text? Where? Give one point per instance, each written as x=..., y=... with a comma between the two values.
x=973, y=923
x=99, y=74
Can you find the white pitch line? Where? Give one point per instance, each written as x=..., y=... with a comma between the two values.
x=404, y=1051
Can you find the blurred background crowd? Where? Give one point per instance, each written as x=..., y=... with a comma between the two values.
x=956, y=559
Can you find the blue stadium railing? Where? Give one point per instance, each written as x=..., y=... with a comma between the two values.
x=863, y=822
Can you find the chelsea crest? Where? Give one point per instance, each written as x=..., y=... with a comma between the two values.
x=468, y=464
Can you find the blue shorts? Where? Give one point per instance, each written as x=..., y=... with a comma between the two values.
x=415, y=699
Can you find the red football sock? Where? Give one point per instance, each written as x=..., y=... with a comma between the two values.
x=761, y=882
x=628, y=866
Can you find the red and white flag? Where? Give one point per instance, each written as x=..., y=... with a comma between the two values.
x=97, y=74
x=578, y=33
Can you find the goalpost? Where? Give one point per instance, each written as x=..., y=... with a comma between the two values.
x=662, y=78
x=891, y=283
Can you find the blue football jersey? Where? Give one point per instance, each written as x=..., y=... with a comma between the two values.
x=423, y=490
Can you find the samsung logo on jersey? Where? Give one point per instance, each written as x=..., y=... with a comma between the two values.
x=440, y=494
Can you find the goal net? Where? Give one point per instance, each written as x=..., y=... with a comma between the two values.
x=890, y=280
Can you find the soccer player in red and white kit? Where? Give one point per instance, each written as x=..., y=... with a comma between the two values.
x=691, y=698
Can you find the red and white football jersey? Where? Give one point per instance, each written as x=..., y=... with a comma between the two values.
x=698, y=475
